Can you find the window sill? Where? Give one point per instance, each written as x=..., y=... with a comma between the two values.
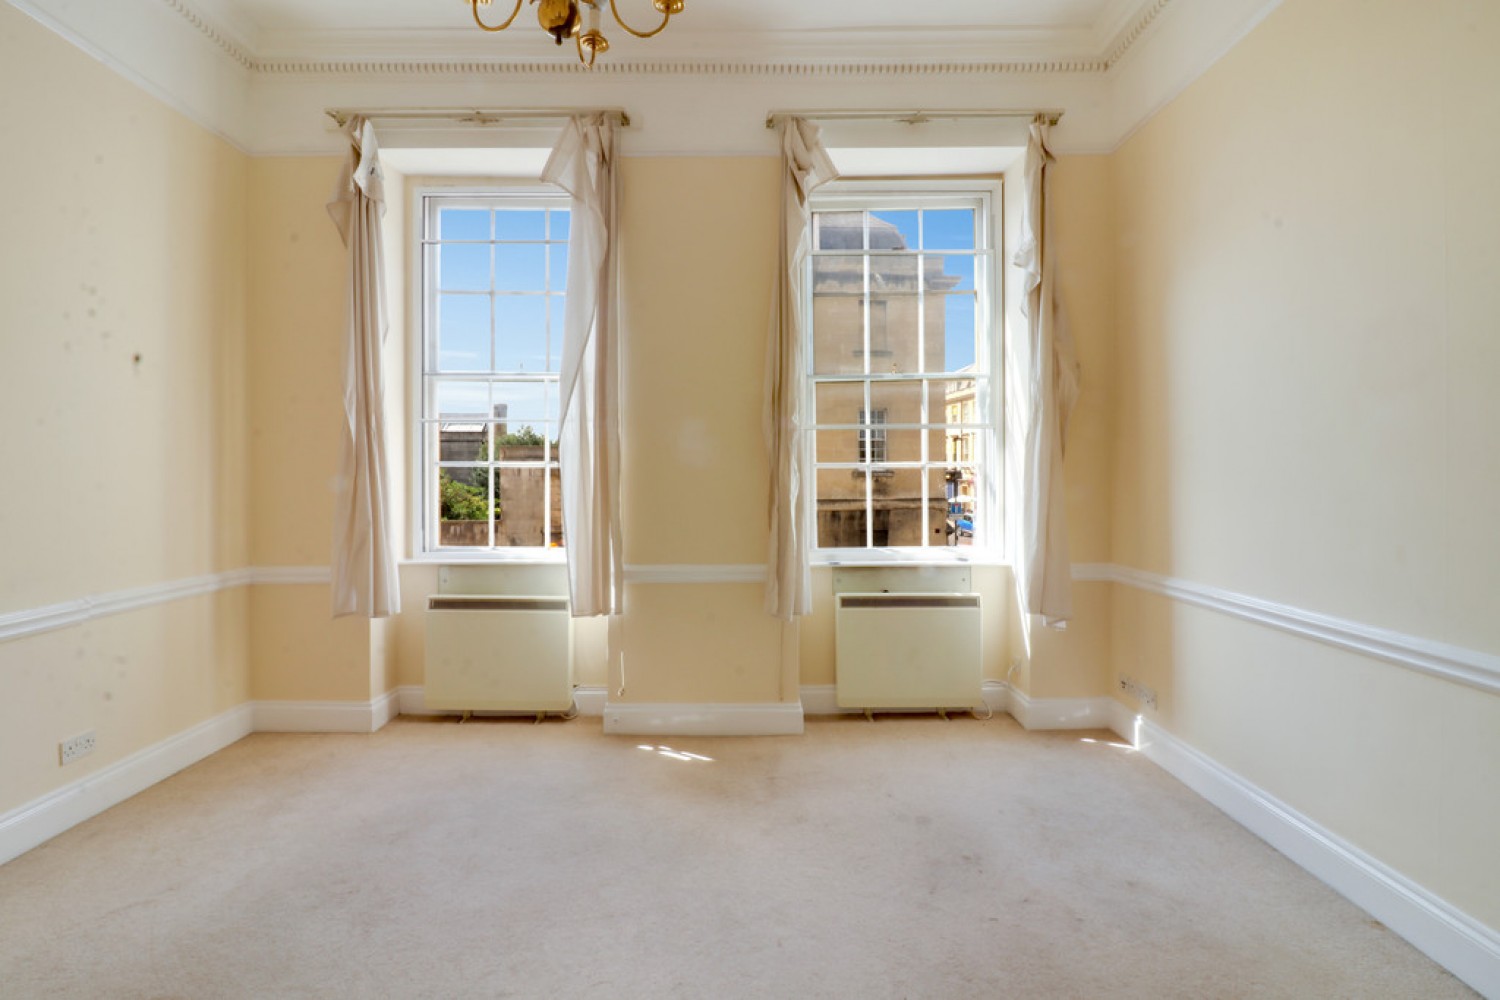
x=458, y=557
x=947, y=556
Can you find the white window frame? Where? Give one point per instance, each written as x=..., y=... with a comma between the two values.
x=906, y=193
x=419, y=477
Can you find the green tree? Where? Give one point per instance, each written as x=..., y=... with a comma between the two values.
x=463, y=501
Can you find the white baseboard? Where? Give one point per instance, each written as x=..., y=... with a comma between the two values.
x=823, y=699
x=1059, y=713
x=325, y=716
x=38, y=821
x=1447, y=935
x=590, y=700
x=765, y=719
x=410, y=700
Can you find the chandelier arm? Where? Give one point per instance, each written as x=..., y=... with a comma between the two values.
x=665, y=17
x=500, y=27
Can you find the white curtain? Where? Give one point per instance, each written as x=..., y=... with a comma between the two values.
x=805, y=165
x=1051, y=382
x=364, y=561
x=583, y=164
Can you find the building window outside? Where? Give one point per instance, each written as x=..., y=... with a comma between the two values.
x=494, y=277
x=872, y=436
x=900, y=368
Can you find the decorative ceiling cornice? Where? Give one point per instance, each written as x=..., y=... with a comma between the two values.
x=301, y=67
x=247, y=59
x=233, y=49
x=1137, y=28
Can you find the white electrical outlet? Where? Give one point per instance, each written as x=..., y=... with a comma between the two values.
x=79, y=746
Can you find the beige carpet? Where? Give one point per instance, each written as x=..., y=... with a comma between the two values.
x=906, y=858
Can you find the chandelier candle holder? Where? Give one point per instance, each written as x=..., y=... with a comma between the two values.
x=579, y=20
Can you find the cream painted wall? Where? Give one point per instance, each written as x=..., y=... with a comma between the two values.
x=1309, y=383
x=696, y=264
x=296, y=322
x=1071, y=663
x=696, y=268
x=122, y=297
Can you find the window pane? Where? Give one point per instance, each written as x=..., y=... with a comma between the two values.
x=838, y=230
x=460, y=399
x=839, y=335
x=893, y=230
x=900, y=445
x=521, y=333
x=521, y=267
x=839, y=402
x=894, y=335
x=463, y=224
x=524, y=443
x=838, y=274
x=522, y=506
x=960, y=334
x=556, y=538
x=463, y=440
x=557, y=312
x=517, y=404
x=837, y=446
x=557, y=281
x=948, y=273
x=841, y=509
x=893, y=274
x=948, y=229
x=464, y=267
x=463, y=324
x=902, y=401
x=559, y=220
x=520, y=224
x=461, y=500
x=963, y=488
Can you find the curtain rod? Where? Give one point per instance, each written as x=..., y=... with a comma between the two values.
x=1051, y=117
x=473, y=116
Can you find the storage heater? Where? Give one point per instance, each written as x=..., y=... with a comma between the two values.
x=908, y=651
x=499, y=654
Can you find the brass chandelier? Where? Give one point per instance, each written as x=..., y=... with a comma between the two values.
x=579, y=20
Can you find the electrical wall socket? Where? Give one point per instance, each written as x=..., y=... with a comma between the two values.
x=79, y=746
x=1140, y=692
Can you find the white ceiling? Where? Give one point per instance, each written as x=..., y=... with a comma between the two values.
x=946, y=30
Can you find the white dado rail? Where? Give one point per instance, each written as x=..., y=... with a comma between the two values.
x=1455, y=663
x=1437, y=659
x=50, y=617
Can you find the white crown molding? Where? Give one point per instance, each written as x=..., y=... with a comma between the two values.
x=1096, y=46
x=40, y=820
x=978, y=44
x=165, y=48
x=1453, y=663
x=1127, y=34
x=723, y=719
x=230, y=41
x=264, y=91
x=1446, y=934
x=1158, y=64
